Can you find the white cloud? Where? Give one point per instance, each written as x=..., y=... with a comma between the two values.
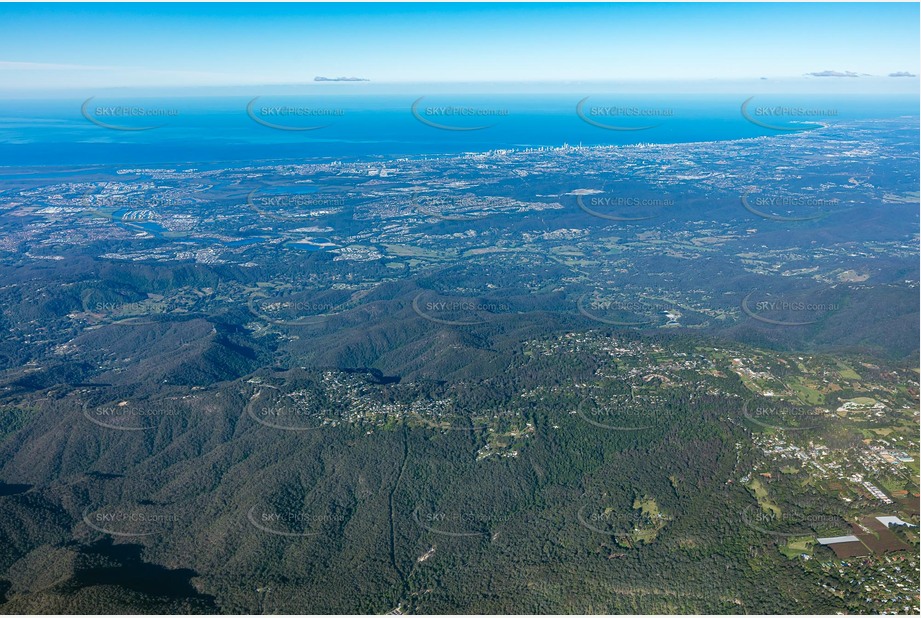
x=832, y=74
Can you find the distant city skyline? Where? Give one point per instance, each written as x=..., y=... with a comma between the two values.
x=869, y=47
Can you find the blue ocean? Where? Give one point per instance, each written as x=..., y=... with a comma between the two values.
x=226, y=130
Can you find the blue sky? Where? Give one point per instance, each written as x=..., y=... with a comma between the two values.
x=67, y=46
